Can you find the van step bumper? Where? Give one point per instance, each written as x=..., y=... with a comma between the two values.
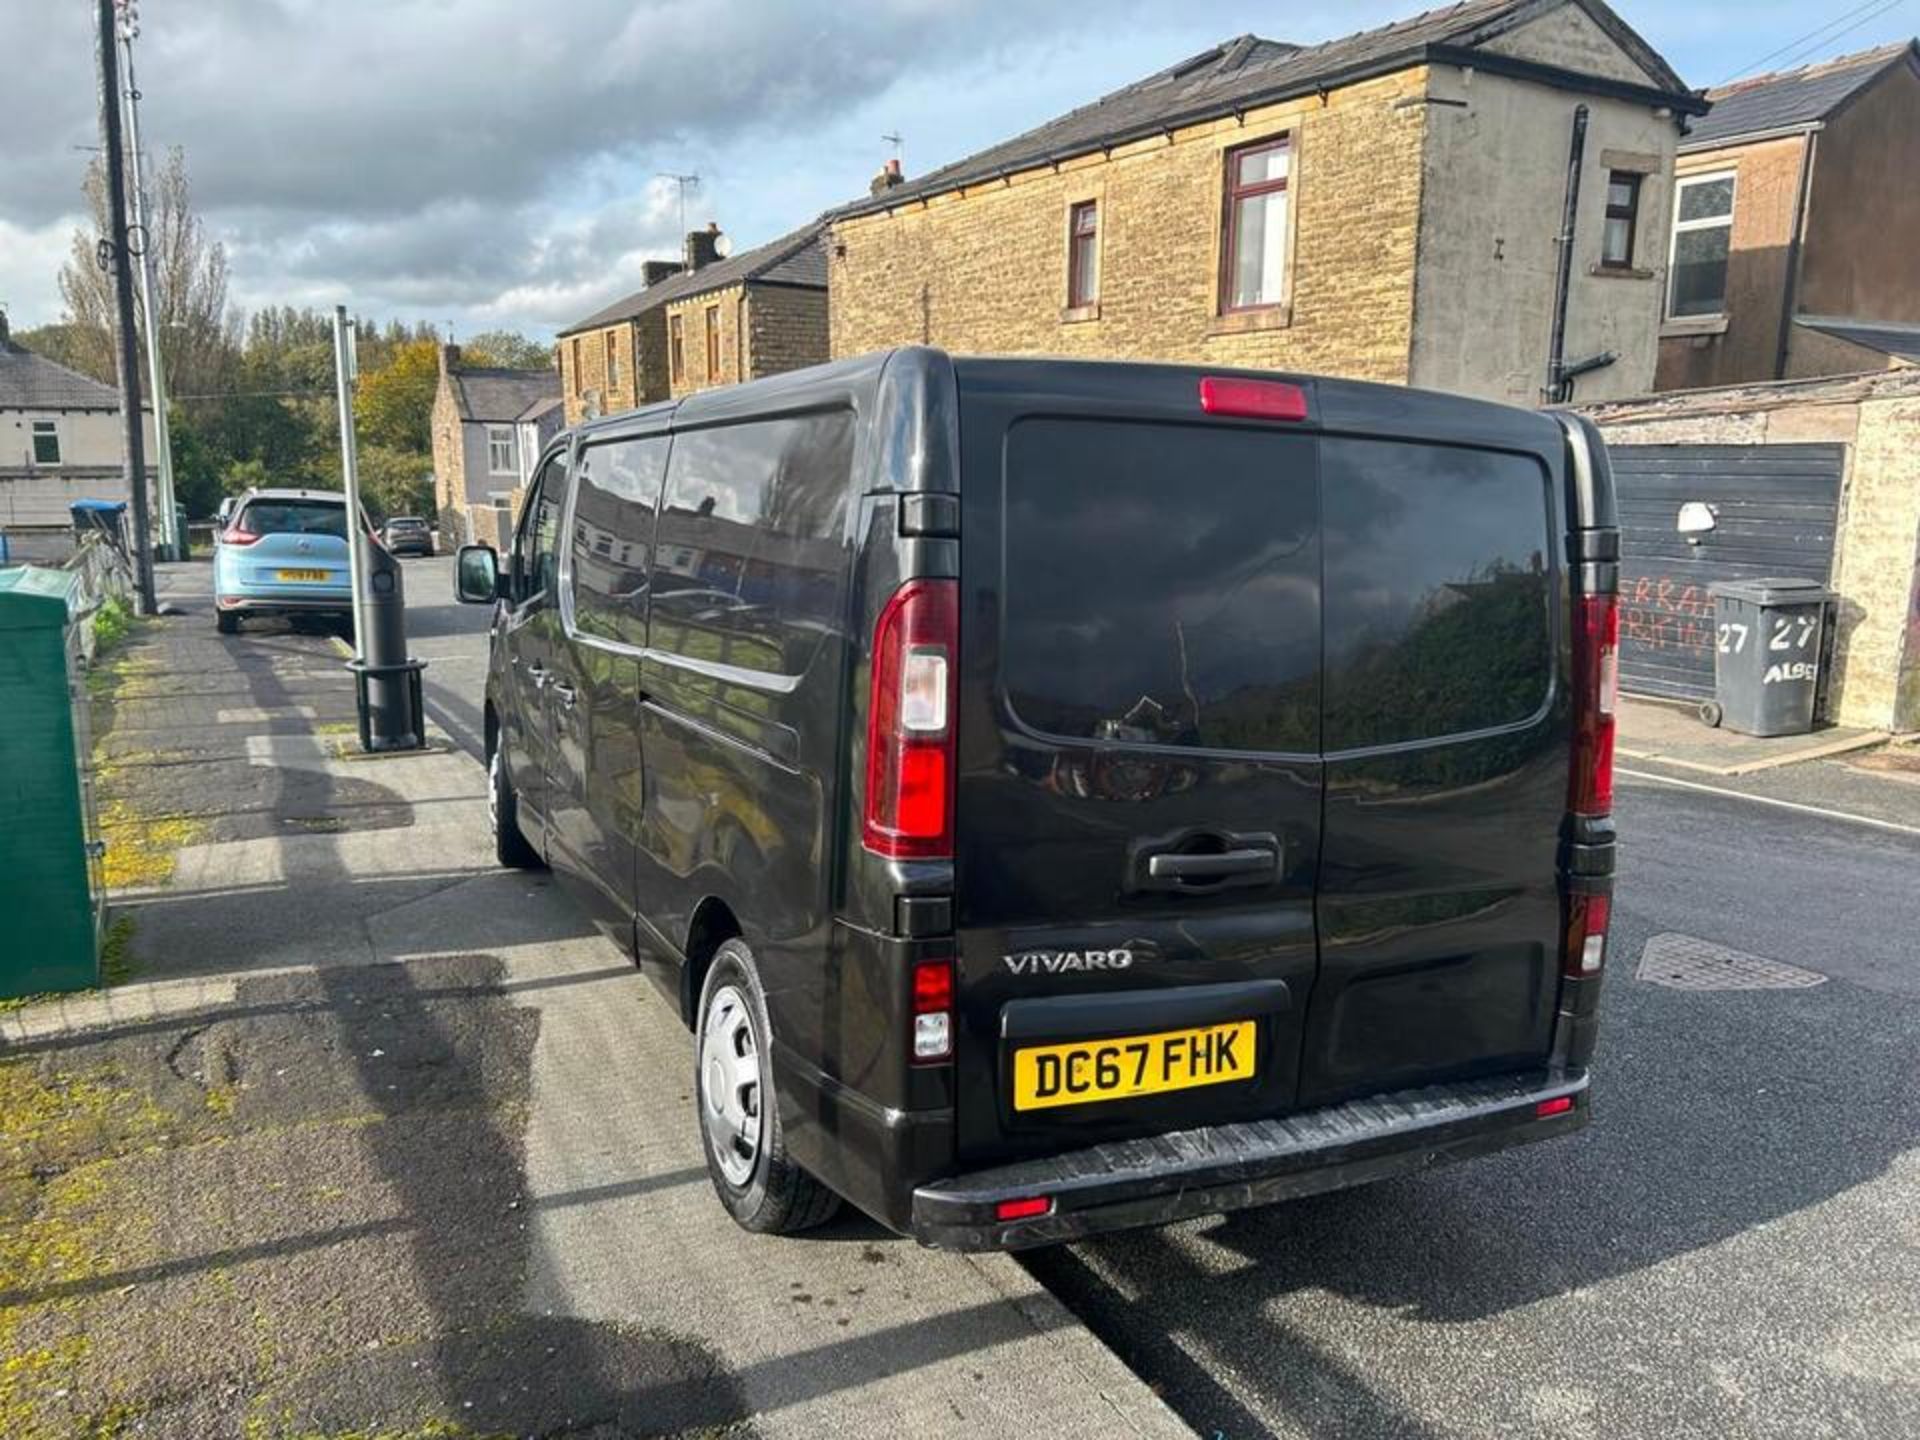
x=1228, y=1167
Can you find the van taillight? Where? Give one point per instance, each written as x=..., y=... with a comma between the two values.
x=1586, y=948
x=910, y=752
x=932, y=1011
x=1596, y=682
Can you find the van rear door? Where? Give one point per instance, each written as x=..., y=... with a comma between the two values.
x=1447, y=737
x=1139, y=779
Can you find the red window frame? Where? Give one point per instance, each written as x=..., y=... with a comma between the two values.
x=612, y=361
x=1234, y=195
x=713, y=342
x=1083, y=254
x=579, y=367
x=676, y=349
x=1629, y=212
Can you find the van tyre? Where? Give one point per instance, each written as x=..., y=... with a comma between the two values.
x=754, y=1176
x=510, y=847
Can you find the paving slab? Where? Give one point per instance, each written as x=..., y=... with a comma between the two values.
x=1673, y=734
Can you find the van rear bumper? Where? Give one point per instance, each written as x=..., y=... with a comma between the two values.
x=1229, y=1167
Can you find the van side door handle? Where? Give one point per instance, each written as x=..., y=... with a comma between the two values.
x=1210, y=867
x=565, y=691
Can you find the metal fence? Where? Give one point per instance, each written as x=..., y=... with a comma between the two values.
x=106, y=573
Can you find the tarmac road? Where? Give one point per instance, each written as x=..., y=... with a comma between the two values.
x=1732, y=1248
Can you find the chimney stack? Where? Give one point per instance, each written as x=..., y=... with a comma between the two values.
x=703, y=247
x=449, y=358
x=888, y=177
x=652, y=272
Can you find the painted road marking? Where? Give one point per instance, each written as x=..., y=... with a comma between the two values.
x=1845, y=816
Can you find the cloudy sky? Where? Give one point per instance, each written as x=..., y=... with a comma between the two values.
x=486, y=163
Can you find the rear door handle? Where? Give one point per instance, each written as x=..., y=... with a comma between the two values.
x=566, y=693
x=1210, y=867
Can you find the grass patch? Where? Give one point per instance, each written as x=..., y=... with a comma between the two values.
x=116, y=962
x=112, y=623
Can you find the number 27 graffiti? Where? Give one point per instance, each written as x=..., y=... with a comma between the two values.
x=1790, y=632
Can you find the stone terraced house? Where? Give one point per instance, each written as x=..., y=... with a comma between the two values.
x=1383, y=206
x=707, y=320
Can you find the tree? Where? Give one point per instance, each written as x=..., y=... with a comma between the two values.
x=395, y=482
x=394, y=405
x=507, y=348
x=198, y=337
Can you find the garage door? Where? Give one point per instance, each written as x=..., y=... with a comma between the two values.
x=1774, y=514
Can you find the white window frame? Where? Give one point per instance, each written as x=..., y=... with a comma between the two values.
x=496, y=436
x=1714, y=222
x=58, y=432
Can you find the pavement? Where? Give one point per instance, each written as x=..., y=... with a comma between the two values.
x=1672, y=733
x=384, y=1141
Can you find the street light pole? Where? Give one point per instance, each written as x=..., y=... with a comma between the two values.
x=343, y=373
x=114, y=253
x=163, y=441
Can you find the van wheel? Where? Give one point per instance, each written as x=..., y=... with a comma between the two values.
x=226, y=622
x=755, y=1178
x=510, y=847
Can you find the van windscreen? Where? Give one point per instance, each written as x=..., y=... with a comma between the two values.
x=1162, y=584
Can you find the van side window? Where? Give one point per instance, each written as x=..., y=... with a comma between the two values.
x=750, y=558
x=536, y=549
x=1162, y=584
x=616, y=488
x=1437, y=591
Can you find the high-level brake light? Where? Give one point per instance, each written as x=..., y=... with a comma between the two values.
x=910, y=723
x=1252, y=399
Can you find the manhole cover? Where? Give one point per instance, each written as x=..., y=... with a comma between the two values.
x=1682, y=962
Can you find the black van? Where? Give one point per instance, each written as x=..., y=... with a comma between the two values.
x=1062, y=796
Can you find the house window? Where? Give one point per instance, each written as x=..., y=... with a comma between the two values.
x=579, y=368
x=1702, y=232
x=500, y=451
x=713, y=342
x=1623, y=218
x=613, y=359
x=1083, y=255
x=46, y=442
x=1253, y=269
x=676, y=350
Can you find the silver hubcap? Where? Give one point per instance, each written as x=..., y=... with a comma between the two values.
x=730, y=1084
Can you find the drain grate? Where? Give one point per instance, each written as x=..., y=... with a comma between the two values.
x=1684, y=962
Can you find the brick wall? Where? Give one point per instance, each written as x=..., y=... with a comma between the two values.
x=693, y=321
x=786, y=329
x=449, y=453
x=984, y=270
x=1876, y=571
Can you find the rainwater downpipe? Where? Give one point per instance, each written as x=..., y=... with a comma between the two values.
x=1569, y=214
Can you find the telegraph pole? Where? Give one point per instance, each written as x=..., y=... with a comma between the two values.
x=162, y=440
x=115, y=254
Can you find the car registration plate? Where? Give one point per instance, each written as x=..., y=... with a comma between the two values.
x=301, y=574
x=1084, y=1071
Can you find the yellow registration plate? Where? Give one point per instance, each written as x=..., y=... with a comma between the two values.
x=302, y=574
x=1088, y=1070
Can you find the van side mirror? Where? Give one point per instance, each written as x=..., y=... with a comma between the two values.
x=476, y=575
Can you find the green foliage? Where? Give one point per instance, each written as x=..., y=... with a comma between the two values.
x=507, y=348
x=395, y=482
x=112, y=623
x=394, y=404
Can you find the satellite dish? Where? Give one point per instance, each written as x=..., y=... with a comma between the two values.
x=722, y=246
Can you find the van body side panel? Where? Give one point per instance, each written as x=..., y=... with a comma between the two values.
x=1447, y=728
x=1139, y=683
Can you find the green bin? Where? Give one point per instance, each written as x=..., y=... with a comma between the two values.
x=51, y=895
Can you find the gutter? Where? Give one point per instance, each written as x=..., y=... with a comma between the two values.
x=1754, y=137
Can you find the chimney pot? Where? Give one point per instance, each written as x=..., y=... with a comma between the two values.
x=888, y=177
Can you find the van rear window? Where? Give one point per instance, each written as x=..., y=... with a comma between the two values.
x=1438, y=612
x=1162, y=583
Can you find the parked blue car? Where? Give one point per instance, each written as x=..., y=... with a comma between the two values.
x=283, y=552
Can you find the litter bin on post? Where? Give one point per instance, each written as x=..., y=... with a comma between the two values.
x=1766, y=660
x=51, y=889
